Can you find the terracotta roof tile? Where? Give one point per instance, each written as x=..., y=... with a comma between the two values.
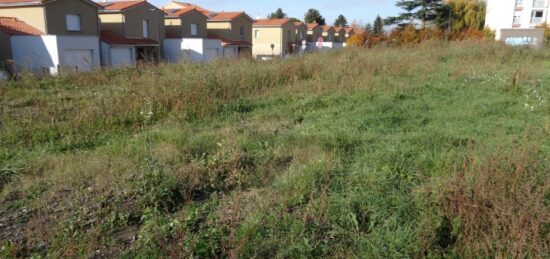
x=116, y=39
x=338, y=28
x=12, y=26
x=311, y=26
x=120, y=5
x=226, y=16
x=192, y=6
x=181, y=12
x=326, y=28
x=348, y=30
x=271, y=22
x=227, y=42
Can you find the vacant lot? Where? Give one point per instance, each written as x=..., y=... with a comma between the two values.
x=437, y=150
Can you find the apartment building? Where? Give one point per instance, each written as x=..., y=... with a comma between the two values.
x=522, y=15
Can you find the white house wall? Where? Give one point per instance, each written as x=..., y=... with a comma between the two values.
x=199, y=50
x=37, y=54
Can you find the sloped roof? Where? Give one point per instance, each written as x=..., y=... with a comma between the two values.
x=112, y=38
x=193, y=6
x=182, y=12
x=120, y=5
x=338, y=28
x=271, y=22
x=13, y=26
x=327, y=28
x=11, y=3
x=311, y=26
x=348, y=30
x=228, y=16
x=227, y=42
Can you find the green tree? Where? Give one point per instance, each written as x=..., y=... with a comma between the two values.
x=368, y=28
x=313, y=16
x=378, y=26
x=341, y=21
x=279, y=14
x=425, y=11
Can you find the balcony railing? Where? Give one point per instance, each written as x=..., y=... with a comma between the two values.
x=517, y=20
x=536, y=20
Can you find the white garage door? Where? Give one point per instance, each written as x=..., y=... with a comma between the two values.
x=78, y=59
x=121, y=57
x=210, y=54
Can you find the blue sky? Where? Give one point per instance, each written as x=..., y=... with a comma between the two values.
x=361, y=10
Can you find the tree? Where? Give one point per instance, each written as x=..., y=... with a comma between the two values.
x=378, y=26
x=279, y=14
x=368, y=28
x=341, y=21
x=465, y=14
x=313, y=16
x=424, y=11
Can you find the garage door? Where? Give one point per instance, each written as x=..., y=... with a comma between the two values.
x=210, y=54
x=121, y=57
x=78, y=59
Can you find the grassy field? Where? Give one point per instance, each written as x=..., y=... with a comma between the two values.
x=429, y=151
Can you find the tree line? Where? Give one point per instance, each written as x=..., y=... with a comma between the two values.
x=455, y=15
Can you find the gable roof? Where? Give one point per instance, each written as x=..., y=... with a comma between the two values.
x=14, y=3
x=119, y=6
x=228, y=16
x=115, y=39
x=311, y=26
x=327, y=28
x=271, y=22
x=338, y=28
x=182, y=12
x=348, y=30
x=13, y=26
x=184, y=5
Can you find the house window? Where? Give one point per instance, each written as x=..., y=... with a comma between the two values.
x=145, y=25
x=536, y=17
x=519, y=3
x=194, y=29
x=73, y=22
x=517, y=18
x=257, y=34
x=241, y=32
x=539, y=3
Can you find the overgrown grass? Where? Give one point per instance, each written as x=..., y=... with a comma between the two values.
x=437, y=150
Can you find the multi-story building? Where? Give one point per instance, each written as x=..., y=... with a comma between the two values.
x=515, y=14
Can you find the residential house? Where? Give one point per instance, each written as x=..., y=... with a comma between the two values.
x=314, y=32
x=43, y=36
x=273, y=38
x=186, y=36
x=514, y=20
x=301, y=33
x=349, y=32
x=339, y=34
x=131, y=32
x=328, y=33
x=234, y=29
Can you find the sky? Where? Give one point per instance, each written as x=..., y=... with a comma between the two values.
x=363, y=11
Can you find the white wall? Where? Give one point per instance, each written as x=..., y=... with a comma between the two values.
x=500, y=15
x=42, y=54
x=37, y=54
x=178, y=50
